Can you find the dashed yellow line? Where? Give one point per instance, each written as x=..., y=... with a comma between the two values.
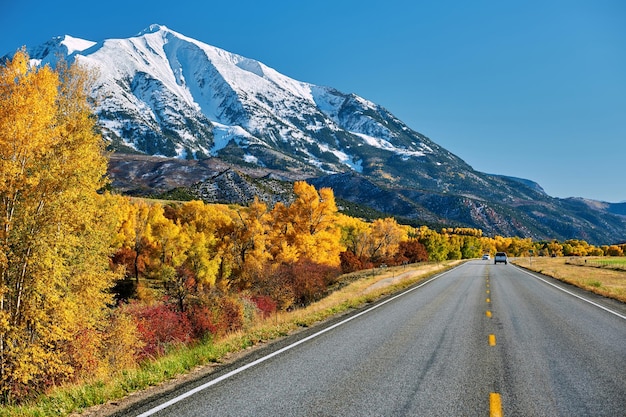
x=495, y=405
x=495, y=402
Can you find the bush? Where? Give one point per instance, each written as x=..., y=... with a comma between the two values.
x=411, y=251
x=122, y=341
x=202, y=321
x=85, y=353
x=231, y=315
x=264, y=304
x=159, y=326
x=310, y=280
x=350, y=262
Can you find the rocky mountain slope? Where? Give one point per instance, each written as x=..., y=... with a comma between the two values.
x=223, y=126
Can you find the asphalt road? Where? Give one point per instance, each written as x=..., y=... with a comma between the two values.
x=480, y=339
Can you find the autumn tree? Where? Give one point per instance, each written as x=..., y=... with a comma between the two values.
x=383, y=241
x=436, y=244
x=307, y=228
x=614, y=250
x=54, y=241
x=411, y=251
x=471, y=246
x=355, y=235
x=249, y=237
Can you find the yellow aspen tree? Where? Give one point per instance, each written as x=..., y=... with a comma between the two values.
x=314, y=220
x=281, y=245
x=308, y=226
x=137, y=236
x=210, y=228
x=555, y=248
x=201, y=257
x=502, y=243
x=54, y=240
x=384, y=239
x=354, y=234
x=195, y=218
x=249, y=242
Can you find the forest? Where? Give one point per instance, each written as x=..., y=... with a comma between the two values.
x=93, y=283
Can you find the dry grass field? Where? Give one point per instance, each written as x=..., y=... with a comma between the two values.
x=588, y=273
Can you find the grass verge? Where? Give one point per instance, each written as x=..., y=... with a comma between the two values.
x=607, y=282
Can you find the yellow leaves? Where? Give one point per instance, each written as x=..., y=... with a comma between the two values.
x=307, y=228
x=54, y=239
x=285, y=253
x=27, y=128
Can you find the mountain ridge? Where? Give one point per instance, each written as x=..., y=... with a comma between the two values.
x=162, y=93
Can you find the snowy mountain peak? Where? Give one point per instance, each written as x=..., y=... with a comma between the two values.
x=162, y=93
x=75, y=44
x=153, y=28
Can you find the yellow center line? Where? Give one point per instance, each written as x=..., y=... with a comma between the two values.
x=492, y=339
x=488, y=300
x=495, y=405
x=488, y=313
x=487, y=291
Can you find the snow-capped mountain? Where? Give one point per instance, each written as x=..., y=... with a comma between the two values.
x=162, y=93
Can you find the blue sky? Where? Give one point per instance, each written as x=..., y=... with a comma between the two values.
x=533, y=89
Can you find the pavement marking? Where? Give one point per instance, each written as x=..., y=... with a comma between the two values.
x=495, y=405
x=492, y=339
x=487, y=291
x=488, y=313
x=488, y=300
x=286, y=348
x=571, y=293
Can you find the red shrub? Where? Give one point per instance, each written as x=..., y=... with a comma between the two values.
x=202, y=321
x=218, y=315
x=413, y=251
x=265, y=304
x=230, y=315
x=310, y=280
x=85, y=353
x=350, y=262
x=160, y=326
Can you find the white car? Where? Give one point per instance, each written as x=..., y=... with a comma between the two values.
x=486, y=257
x=500, y=257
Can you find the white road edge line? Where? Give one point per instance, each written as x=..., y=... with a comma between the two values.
x=286, y=348
x=572, y=294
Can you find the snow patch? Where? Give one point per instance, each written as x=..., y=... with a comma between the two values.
x=75, y=44
x=251, y=159
x=387, y=146
x=223, y=134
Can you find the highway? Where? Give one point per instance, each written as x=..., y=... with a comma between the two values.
x=479, y=340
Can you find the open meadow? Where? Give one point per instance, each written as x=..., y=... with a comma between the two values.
x=605, y=276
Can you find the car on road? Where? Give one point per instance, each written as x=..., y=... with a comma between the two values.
x=486, y=257
x=500, y=257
